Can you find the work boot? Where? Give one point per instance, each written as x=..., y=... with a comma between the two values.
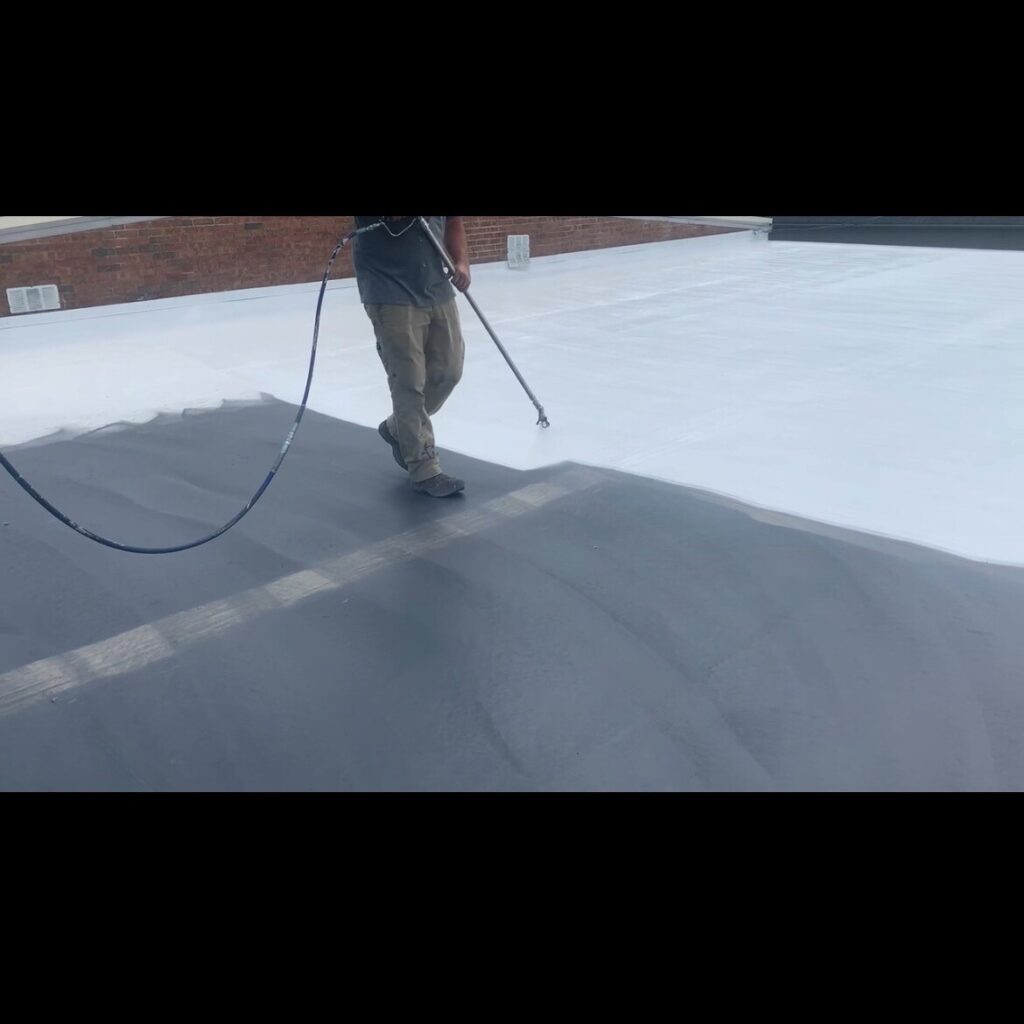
x=396, y=449
x=440, y=486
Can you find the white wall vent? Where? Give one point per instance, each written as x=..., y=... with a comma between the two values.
x=518, y=252
x=33, y=300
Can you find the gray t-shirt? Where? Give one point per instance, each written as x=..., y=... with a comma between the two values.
x=402, y=271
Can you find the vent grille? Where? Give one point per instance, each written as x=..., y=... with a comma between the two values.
x=33, y=300
x=518, y=252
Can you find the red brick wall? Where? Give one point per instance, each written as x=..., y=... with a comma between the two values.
x=190, y=255
x=550, y=235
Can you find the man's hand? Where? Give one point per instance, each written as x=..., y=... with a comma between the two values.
x=461, y=277
x=455, y=243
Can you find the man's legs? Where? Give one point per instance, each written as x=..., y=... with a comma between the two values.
x=422, y=352
x=445, y=353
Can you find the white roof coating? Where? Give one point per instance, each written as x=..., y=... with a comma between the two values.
x=872, y=387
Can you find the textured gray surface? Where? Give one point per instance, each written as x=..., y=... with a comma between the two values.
x=594, y=631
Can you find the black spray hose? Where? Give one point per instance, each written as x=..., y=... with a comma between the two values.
x=6, y=463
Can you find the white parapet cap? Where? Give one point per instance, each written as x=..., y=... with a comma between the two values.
x=21, y=229
x=740, y=223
